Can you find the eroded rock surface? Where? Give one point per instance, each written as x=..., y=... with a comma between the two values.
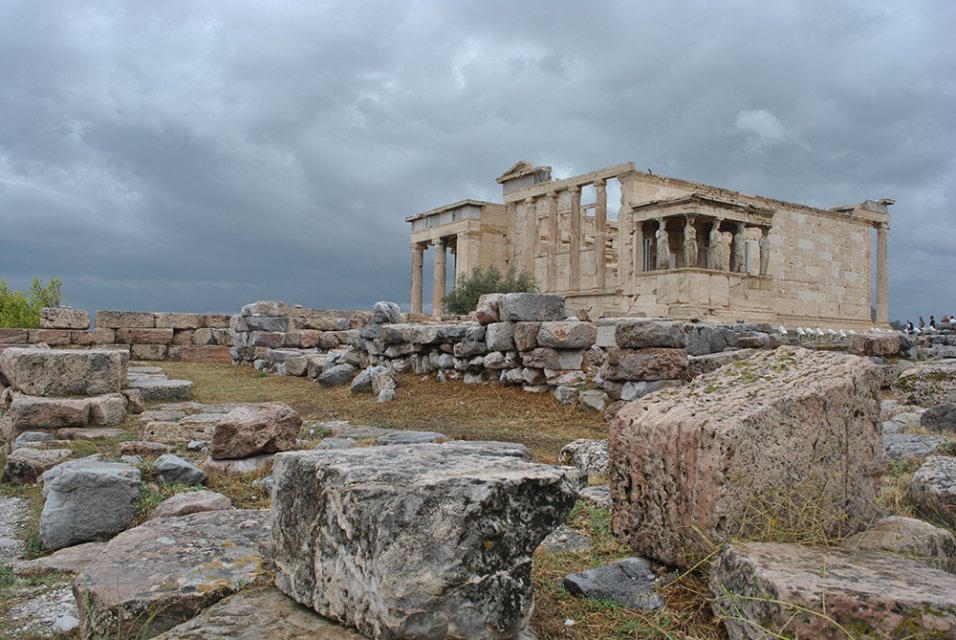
x=421, y=541
x=182, y=566
x=688, y=465
x=255, y=429
x=47, y=372
x=762, y=589
x=257, y=613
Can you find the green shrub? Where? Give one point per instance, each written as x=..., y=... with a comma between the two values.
x=464, y=297
x=21, y=309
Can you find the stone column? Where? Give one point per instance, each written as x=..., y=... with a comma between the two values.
x=600, y=234
x=467, y=244
x=554, y=239
x=438, y=284
x=663, y=246
x=739, y=249
x=627, y=253
x=764, y=245
x=690, y=243
x=575, y=256
x=530, y=234
x=715, y=248
x=882, y=313
x=418, y=251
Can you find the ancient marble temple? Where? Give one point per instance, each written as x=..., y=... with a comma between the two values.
x=669, y=248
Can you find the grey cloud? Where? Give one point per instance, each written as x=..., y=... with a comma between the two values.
x=188, y=155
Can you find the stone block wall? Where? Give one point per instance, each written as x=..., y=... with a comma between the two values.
x=199, y=337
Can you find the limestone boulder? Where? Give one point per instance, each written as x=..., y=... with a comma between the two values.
x=487, y=310
x=927, y=384
x=268, y=323
x=157, y=389
x=26, y=464
x=940, y=418
x=914, y=539
x=336, y=375
x=644, y=364
x=643, y=334
x=629, y=582
x=687, y=465
x=384, y=312
x=125, y=319
x=170, y=468
x=567, y=335
x=47, y=372
x=530, y=307
x=32, y=412
x=183, y=504
x=108, y=410
x=423, y=541
x=265, y=308
x=255, y=429
x=526, y=335
x=253, y=613
x=85, y=499
x=548, y=358
x=763, y=590
x=32, y=439
x=183, y=565
x=933, y=489
x=590, y=456
x=500, y=336
x=907, y=446
x=64, y=318
x=875, y=344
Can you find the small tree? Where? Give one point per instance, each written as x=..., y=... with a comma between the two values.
x=22, y=309
x=464, y=297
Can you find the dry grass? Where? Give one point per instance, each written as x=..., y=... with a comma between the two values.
x=471, y=412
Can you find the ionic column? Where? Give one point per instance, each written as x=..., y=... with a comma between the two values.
x=575, y=257
x=554, y=239
x=882, y=315
x=438, y=285
x=418, y=251
x=600, y=233
x=530, y=234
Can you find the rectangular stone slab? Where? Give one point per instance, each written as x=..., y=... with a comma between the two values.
x=418, y=541
x=696, y=466
x=61, y=373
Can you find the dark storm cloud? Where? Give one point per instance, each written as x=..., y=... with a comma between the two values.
x=200, y=155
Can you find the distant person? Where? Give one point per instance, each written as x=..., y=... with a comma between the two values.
x=922, y=323
x=932, y=322
x=909, y=326
x=945, y=319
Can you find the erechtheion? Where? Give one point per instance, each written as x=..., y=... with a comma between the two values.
x=672, y=248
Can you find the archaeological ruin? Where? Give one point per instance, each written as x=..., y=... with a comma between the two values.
x=671, y=248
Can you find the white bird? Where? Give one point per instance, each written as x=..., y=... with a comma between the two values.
x=782, y=330
x=842, y=333
x=801, y=332
x=852, y=332
x=916, y=330
x=831, y=332
x=819, y=332
x=931, y=328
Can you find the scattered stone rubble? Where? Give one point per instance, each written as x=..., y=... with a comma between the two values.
x=710, y=419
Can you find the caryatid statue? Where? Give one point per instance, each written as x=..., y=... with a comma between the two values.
x=663, y=247
x=715, y=248
x=690, y=244
x=740, y=248
x=764, y=245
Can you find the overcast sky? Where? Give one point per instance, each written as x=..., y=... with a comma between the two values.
x=191, y=155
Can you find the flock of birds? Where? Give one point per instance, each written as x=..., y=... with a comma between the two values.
x=819, y=333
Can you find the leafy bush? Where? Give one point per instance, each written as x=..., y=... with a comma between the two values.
x=464, y=298
x=22, y=309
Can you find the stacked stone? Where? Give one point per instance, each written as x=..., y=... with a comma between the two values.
x=651, y=355
x=518, y=339
x=277, y=338
x=196, y=337
x=58, y=391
